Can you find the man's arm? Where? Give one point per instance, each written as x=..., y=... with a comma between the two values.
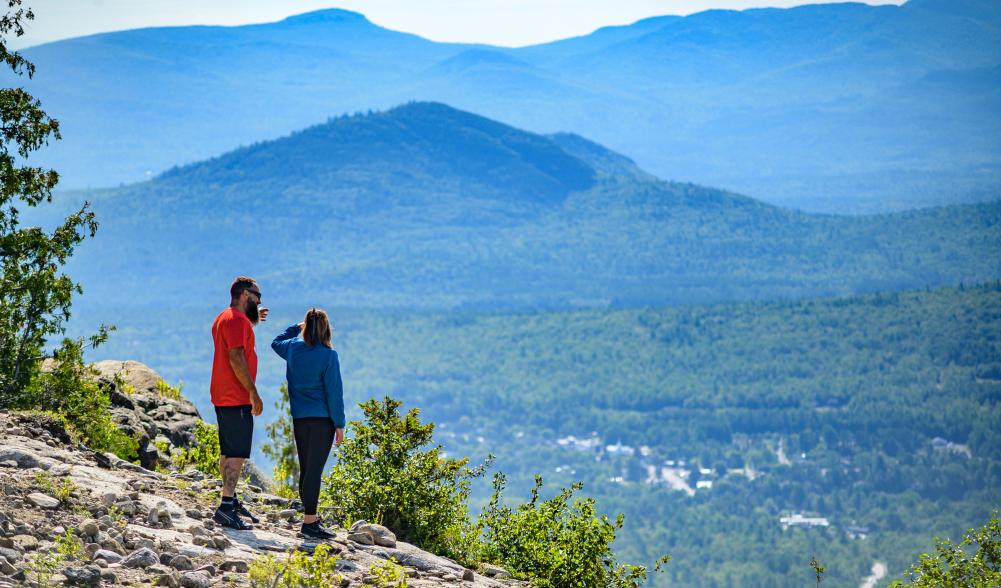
x=239, y=364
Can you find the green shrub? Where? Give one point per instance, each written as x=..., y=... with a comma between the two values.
x=281, y=448
x=203, y=454
x=168, y=391
x=388, y=473
x=42, y=565
x=954, y=566
x=297, y=570
x=68, y=391
x=557, y=543
x=68, y=545
x=388, y=574
x=61, y=491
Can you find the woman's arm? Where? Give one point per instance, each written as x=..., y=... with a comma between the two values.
x=334, y=388
x=281, y=342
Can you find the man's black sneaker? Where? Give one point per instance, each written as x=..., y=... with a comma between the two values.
x=241, y=510
x=315, y=531
x=227, y=517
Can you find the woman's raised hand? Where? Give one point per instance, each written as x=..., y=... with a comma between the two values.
x=338, y=436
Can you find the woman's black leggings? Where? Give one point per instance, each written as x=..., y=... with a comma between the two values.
x=314, y=436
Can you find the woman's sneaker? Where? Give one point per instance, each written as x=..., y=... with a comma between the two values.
x=315, y=531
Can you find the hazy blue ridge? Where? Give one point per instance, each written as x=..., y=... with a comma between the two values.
x=834, y=107
x=428, y=206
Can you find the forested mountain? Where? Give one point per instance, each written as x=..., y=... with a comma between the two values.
x=874, y=416
x=833, y=107
x=428, y=206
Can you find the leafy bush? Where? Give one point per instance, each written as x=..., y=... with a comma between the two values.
x=42, y=565
x=388, y=474
x=204, y=453
x=298, y=570
x=65, y=391
x=953, y=565
x=61, y=491
x=168, y=391
x=557, y=543
x=281, y=448
x=388, y=574
x=69, y=545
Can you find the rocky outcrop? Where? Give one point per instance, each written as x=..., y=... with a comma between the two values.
x=140, y=527
x=143, y=406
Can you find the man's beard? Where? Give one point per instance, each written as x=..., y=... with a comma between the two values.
x=252, y=313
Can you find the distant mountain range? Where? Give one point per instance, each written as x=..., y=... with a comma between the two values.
x=833, y=107
x=428, y=206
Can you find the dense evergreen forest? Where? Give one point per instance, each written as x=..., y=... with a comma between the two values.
x=876, y=415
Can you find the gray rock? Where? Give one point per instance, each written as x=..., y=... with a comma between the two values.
x=147, y=543
x=89, y=528
x=25, y=542
x=141, y=558
x=195, y=580
x=169, y=580
x=108, y=556
x=182, y=562
x=492, y=571
x=43, y=500
x=256, y=476
x=23, y=458
x=89, y=575
x=6, y=568
x=287, y=514
x=468, y=575
x=113, y=545
x=207, y=569
x=108, y=499
x=363, y=538
x=221, y=542
x=126, y=506
x=380, y=535
x=10, y=554
x=234, y=565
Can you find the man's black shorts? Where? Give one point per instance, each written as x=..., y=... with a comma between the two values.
x=236, y=430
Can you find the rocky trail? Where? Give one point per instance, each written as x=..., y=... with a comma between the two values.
x=118, y=523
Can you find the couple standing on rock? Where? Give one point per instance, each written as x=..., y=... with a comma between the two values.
x=316, y=399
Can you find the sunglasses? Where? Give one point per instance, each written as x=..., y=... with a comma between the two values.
x=258, y=294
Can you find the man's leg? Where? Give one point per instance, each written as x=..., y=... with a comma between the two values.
x=232, y=467
x=236, y=429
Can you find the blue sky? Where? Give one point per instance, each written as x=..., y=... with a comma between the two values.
x=498, y=22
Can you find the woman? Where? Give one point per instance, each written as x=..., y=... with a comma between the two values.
x=316, y=398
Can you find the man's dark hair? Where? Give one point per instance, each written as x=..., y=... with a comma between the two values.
x=240, y=285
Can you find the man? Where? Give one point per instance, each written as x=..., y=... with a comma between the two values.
x=233, y=392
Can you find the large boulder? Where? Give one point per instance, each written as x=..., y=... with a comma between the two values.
x=141, y=407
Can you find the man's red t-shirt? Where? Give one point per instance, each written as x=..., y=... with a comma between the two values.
x=231, y=329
